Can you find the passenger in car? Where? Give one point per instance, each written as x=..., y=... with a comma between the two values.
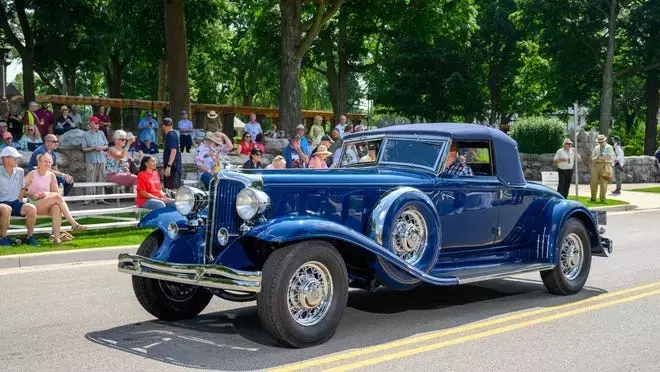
x=459, y=168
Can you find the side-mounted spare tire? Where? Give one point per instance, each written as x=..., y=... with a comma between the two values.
x=167, y=300
x=573, y=260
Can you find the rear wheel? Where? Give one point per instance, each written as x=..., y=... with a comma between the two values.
x=167, y=300
x=304, y=293
x=573, y=261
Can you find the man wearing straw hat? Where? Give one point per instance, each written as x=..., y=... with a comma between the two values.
x=213, y=124
x=601, y=170
x=565, y=160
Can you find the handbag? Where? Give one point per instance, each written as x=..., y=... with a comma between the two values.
x=606, y=173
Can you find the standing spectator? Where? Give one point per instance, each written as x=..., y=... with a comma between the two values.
x=601, y=170
x=148, y=147
x=148, y=126
x=318, y=123
x=315, y=136
x=278, y=163
x=64, y=122
x=340, y=126
x=42, y=189
x=565, y=160
x=75, y=117
x=618, y=162
x=245, y=146
x=336, y=146
x=657, y=155
x=149, y=194
x=45, y=119
x=304, y=143
x=255, y=160
x=171, y=157
x=12, y=180
x=259, y=143
x=49, y=147
x=252, y=127
x=116, y=166
x=31, y=118
x=8, y=141
x=185, y=130
x=317, y=161
x=31, y=140
x=213, y=123
x=104, y=121
x=94, y=144
x=294, y=155
x=207, y=158
x=15, y=125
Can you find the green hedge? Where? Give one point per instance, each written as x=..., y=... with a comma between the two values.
x=538, y=135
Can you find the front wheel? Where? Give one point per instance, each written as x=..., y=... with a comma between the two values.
x=573, y=261
x=167, y=300
x=304, y=293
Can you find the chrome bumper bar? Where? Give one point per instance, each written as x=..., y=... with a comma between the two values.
x=213, y=276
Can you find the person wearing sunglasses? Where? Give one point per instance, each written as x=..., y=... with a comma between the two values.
x=116, y=165
x=245, y=146
x=50, y=145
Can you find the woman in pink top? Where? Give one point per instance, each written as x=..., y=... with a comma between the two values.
x=42, y=189
x=318, y=158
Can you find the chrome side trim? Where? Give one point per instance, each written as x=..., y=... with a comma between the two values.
x=206, y=275
x=530, y=268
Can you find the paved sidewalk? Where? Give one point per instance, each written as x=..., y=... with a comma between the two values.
x=643, y=200
x=17, y=261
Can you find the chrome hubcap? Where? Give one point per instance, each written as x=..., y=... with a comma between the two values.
x=310, y=293
x=409, y=234
x=571, y=256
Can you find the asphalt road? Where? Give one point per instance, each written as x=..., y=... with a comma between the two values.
x=85, y=317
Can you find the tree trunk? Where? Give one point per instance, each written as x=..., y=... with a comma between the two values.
x=337, y=77
x=177, y=57
x=28, y=76
x=113, y=81
x=290, y=91
x=652, y=96
x=161, y=95
x=608, y=78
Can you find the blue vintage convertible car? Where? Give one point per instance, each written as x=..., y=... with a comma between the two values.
x=443, y=204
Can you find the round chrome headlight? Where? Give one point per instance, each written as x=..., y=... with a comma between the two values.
x=250, y=202
x=190, y=200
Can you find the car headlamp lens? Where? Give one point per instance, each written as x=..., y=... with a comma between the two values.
x=190, y=200
x=250, y=202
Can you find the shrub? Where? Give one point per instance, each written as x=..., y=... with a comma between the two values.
x=538, y=135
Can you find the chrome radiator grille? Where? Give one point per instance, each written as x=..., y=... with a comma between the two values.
x=222, y=211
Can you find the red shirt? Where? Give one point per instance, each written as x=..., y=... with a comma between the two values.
x=104, y=119
x=245, y=148
x=149, y=182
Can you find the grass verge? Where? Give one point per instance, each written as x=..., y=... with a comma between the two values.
x=655, y=190
x=588, y=203
x=83, y=240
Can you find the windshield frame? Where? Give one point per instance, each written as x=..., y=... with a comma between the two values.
x=384, y=138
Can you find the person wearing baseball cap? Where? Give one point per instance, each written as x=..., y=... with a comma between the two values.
x=171, y=157
x=94, y=145
x=12, y=192
x=294, y=155
x=8, y=141
x=304, y=143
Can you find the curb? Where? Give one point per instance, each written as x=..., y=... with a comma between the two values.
x=616, y=208
x=63, y=257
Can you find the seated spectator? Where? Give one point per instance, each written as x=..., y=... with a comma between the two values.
x=294, y=155
x=76, y=118
x=149, y=194
x=12, y=192
x=657, y=155
x=272, y=132
x=49, y=147
x=15, y=125
x=64, y=122
x=304, y=144
x=116, y=166
x=371, y=154
x=148, y=147
x=259, y=143
x=43, y=192
x=246, y=145
x=255, y=160
x=316, y=136
x=8, y=141
x=278, y=163
x=318, y=123
x=31, y=140
x=207, y=158
x=459, y=167
x=319, y=155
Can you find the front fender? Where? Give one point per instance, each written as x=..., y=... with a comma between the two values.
x=556, y=213
x=291, y=229
x=186, y=248
x=161, y=217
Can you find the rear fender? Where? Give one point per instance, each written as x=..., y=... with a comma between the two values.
x=291, y=229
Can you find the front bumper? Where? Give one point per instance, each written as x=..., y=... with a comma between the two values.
x=205, y=275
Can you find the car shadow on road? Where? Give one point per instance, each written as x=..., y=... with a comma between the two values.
x=234, y=340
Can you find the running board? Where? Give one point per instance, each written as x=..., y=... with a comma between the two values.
x=480, y=275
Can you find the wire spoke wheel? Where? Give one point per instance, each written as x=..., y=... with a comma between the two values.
x=571, y=256
x=409, y=235
x=310, y=293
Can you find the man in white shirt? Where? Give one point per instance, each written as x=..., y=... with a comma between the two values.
x=253, y=127
x=618, y=161
x=340, y=126
x=565, y=160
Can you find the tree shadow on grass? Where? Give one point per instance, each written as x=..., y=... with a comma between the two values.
x=234, y=339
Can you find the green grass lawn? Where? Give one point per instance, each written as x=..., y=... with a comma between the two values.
x=82, y=240
x=608, y=202
x=655, y=190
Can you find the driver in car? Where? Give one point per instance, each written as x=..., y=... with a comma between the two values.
x=459, y=167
